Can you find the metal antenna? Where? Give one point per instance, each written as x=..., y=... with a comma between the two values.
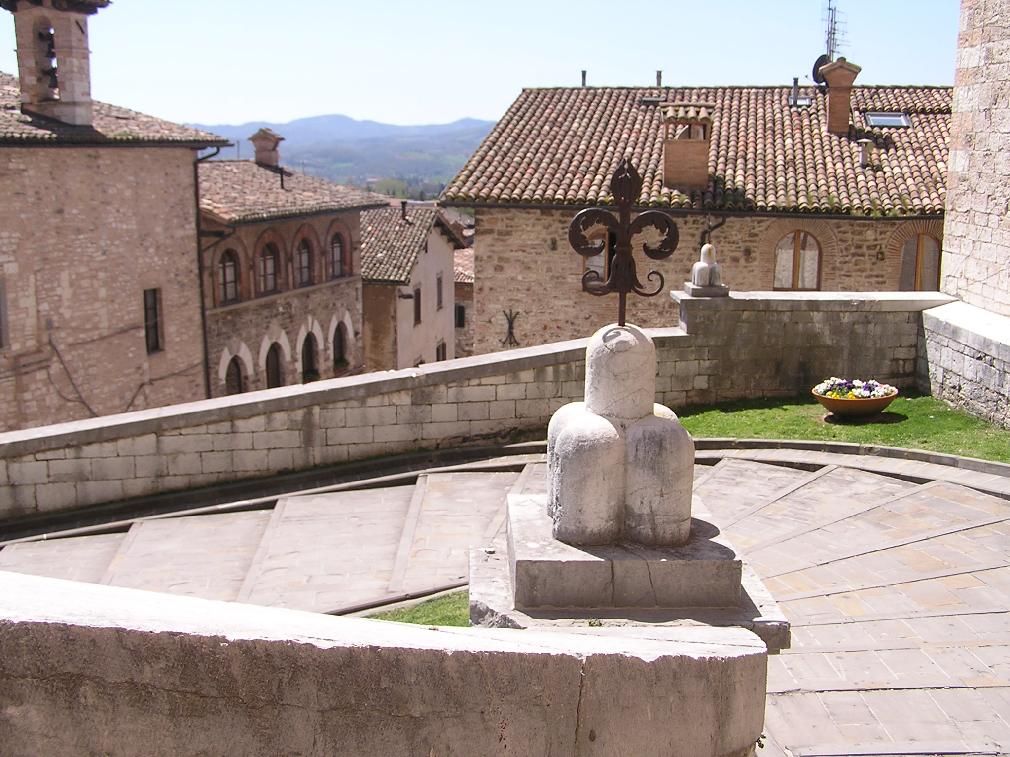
x=834, y=30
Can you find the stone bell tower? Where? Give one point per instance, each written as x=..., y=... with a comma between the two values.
x=54, y=64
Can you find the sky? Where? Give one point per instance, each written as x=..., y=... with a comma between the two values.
x=408, y=62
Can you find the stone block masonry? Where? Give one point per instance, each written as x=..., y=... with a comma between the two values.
x=523, y=263
x=976, y=243
x=88, y=669
x=83, y=233
x=964, y=358
x=745, y=345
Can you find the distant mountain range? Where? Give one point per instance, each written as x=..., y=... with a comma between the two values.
x=414, y=161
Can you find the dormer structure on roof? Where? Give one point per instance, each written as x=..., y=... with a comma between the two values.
x=687, y=138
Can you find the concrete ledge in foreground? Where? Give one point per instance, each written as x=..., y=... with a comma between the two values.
x=97, y=669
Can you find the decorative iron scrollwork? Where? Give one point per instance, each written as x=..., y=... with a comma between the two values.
x=626, y=187
x=510, y=336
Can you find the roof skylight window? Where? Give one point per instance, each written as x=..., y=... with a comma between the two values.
x=892, y=119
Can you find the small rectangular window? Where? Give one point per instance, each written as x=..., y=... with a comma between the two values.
x=893, y=119
x=438, y=292
x=440, y=351
x=152, y=320
x=3, y=317
x=417, y=306
x=460, y=316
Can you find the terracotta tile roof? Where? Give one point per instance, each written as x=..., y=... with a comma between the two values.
x=390, y=244
x=559, y=147
x=463, y=266
x=240, y=191
x=111, y=125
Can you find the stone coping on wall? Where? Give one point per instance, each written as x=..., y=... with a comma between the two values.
x=971, y=325
x=296, y=396
x=100, y=668
x=823, y=301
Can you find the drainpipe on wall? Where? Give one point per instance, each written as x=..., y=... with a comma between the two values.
x=199, y=269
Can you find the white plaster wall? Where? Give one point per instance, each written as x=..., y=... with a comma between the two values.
x=419, y=341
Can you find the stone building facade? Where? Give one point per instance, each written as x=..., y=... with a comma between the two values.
x=976, y=243
x=964, y=350
x=281, y=272
x=99, y=312
x=839, y=187
x=407, y=266
x=519, y=252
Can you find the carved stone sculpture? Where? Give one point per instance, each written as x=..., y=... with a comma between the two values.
x=620, y=467
x=706, y=278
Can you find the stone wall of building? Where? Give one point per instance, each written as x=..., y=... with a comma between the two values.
x=246, y=328
x=378, y=300
x=83, y=232
x=523, y=262
x=416, y=341
x=976, y=245
x=730, y=348
x=964, y=358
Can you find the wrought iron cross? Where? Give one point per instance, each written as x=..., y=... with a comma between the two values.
x=626, y=187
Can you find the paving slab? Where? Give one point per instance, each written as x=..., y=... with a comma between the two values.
x=79, y=558
x=328, y=551
x=200, y=556
x=450, y=514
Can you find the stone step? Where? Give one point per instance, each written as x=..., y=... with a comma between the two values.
x=204, y=556
x=933, y=535
x=80, y=558
x=830, y=493
x=324, y=552
x=720, y=492
x=450, y=514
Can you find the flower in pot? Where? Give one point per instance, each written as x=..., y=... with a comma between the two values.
x=854, y=396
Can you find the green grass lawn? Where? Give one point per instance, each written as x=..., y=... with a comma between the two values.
x=914, y=422
x=446, y=610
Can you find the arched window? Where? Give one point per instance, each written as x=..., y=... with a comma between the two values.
x=340, y=258
x=267, y=265
x=234, y=381
x=310, y=362
x=275, y=368
x=340, y=357
x=920, y=264
x=228, y=277
x=798, y=262
x=303, y=263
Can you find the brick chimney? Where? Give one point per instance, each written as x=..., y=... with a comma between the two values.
x=687, y=137
x=54, y=62
x=839, y=75
x=265, y=143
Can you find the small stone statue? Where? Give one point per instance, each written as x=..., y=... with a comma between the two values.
x=620, y=468
x=706, y=279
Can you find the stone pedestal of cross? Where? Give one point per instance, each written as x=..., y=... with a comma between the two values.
x=606, y=537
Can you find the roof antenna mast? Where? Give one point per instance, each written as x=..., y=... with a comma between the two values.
x=834, y=38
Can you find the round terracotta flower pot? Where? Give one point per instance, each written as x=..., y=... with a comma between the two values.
x=855, y=407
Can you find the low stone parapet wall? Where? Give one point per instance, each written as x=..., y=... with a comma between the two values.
x=90, y=669
x=965, y=359
x=747, y=345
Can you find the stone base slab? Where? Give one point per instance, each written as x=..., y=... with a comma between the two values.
x=491, y=605
x=710, y=291
x=545, y=572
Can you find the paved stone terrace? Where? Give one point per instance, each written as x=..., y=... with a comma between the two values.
x=895, y=575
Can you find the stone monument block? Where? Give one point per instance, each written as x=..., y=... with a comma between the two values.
x=620, y=466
